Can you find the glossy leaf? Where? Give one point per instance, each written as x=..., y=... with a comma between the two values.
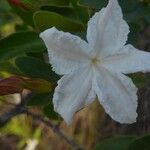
x=49, y=111
x=38, y=85
x=66, y=11
x=11, y=85
x=59, y=2
x=134, y=31
x=26, y=16
x=97, y=4
x=134, y=16
x=140, y=12
x=118, y=143
x=45, y=19
x=4, y=7
x=20, y=43
x=139, y=79
x=81, y=11
x=142, y=143
x=9, y=67
x=35, y=68
x=40, y=99
x=129, y=6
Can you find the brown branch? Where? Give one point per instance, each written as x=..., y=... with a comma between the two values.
x=22, y=109
x=17, y=110
x=55, y=129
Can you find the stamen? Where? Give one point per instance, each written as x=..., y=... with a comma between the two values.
x=94, y=60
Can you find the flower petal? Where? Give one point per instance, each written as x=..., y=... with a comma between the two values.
x=117, y=94
x=107, y=31
x=66, y=51
x=128, y=60
x=73, y=92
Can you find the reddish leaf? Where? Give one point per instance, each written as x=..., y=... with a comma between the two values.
x=11, y=85
x=17, y=84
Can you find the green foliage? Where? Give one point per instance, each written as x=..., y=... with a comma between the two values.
x=139, y=79
x=118, y=143
x=20, y=43
x=35, y=68
x=40, y=99
x=142, y=143
x=8, y=66
x=81, y=11
x=125, y=143
x=66, y=11
x=134, y=30
x=59, y=2
x=4, y=6
x=26, y=16
x=45, y=19
x=48, y=110
x=129, y=6
x=96, y=4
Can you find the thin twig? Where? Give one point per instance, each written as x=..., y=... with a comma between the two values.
x=18, y=109
x=55, y=129
x=22, y=109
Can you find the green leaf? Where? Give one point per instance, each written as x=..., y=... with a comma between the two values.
x=96, y=4
x=140, y=12
x=38, y=85
x=142, y=143
x=35, y=68
x=118, y=143
x=134, y=30
x=49, y=111
x=8, y=66
x=45, y=19
x=40, y=99
x=66, y=11
x=4, y=7
x=26, y=16
x=139, y=79
x=20, y=43
x=99, y=4
x=59, y=2
x=81, y=11
x=134, y=16
x=129, y=6
x=77, y=12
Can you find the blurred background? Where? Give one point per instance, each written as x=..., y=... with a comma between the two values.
x=22, y=53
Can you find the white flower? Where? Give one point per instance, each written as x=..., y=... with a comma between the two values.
x=96, y=67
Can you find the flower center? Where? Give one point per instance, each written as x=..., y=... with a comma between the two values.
x=94, y=61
